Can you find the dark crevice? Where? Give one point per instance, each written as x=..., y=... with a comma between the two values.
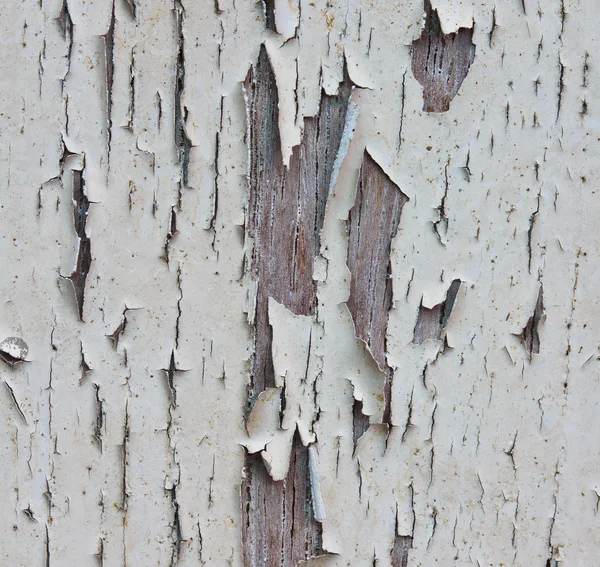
x=116, y=334
x=98, y=426
x=131, y=109
x=47, y=548
x=170, y=234
x=213, y=219
x=182, y=140
x=125, y=460
x=440, y=226
x=170, y=376
x=530, y=335
x=402, y=104
x=81, y=206
x=109, y=69
x=269, y=9
x=532, y=219
x=13, y=397
x=66, y=27
x=561, y=87
x=83, y=364
x=179, y=300
x=131, y=6
x=360, y=422
x=177, y=534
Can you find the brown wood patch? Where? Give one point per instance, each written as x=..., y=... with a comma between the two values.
x=278, y=527
x=432, y=322
x=285, y=216
x=441, y=62
x=286, y=205
x=373, y=223
x=399, y=555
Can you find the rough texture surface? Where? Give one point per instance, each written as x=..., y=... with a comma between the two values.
x=373, y=224
x=440, y=61
x=285, y=217
x=184, y=378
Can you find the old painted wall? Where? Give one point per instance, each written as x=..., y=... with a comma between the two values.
x=299, y=282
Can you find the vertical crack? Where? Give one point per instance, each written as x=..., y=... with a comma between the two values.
x=182, y=140
x=109, y=68
x=81, y=205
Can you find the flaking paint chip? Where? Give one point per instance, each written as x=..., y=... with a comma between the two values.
x=13, y=350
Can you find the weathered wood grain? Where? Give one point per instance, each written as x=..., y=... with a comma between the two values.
x=373, y=223
x=278, y=528
x=110, y=460
x=399, y=555
x=285, y=216
x=441, y=62
x=286, y=205
x=431, y=322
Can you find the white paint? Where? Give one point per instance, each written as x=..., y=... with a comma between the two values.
x=485, y=391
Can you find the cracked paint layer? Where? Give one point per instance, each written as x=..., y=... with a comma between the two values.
x=141, y=429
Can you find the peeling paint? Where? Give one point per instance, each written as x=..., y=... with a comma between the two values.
x=227, y=378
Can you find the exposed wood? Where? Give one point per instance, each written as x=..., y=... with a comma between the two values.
x=441, y=62
x=285, y=217
x=279, y=527
x=373, y=224
x=399, y=556
x=432, y=321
